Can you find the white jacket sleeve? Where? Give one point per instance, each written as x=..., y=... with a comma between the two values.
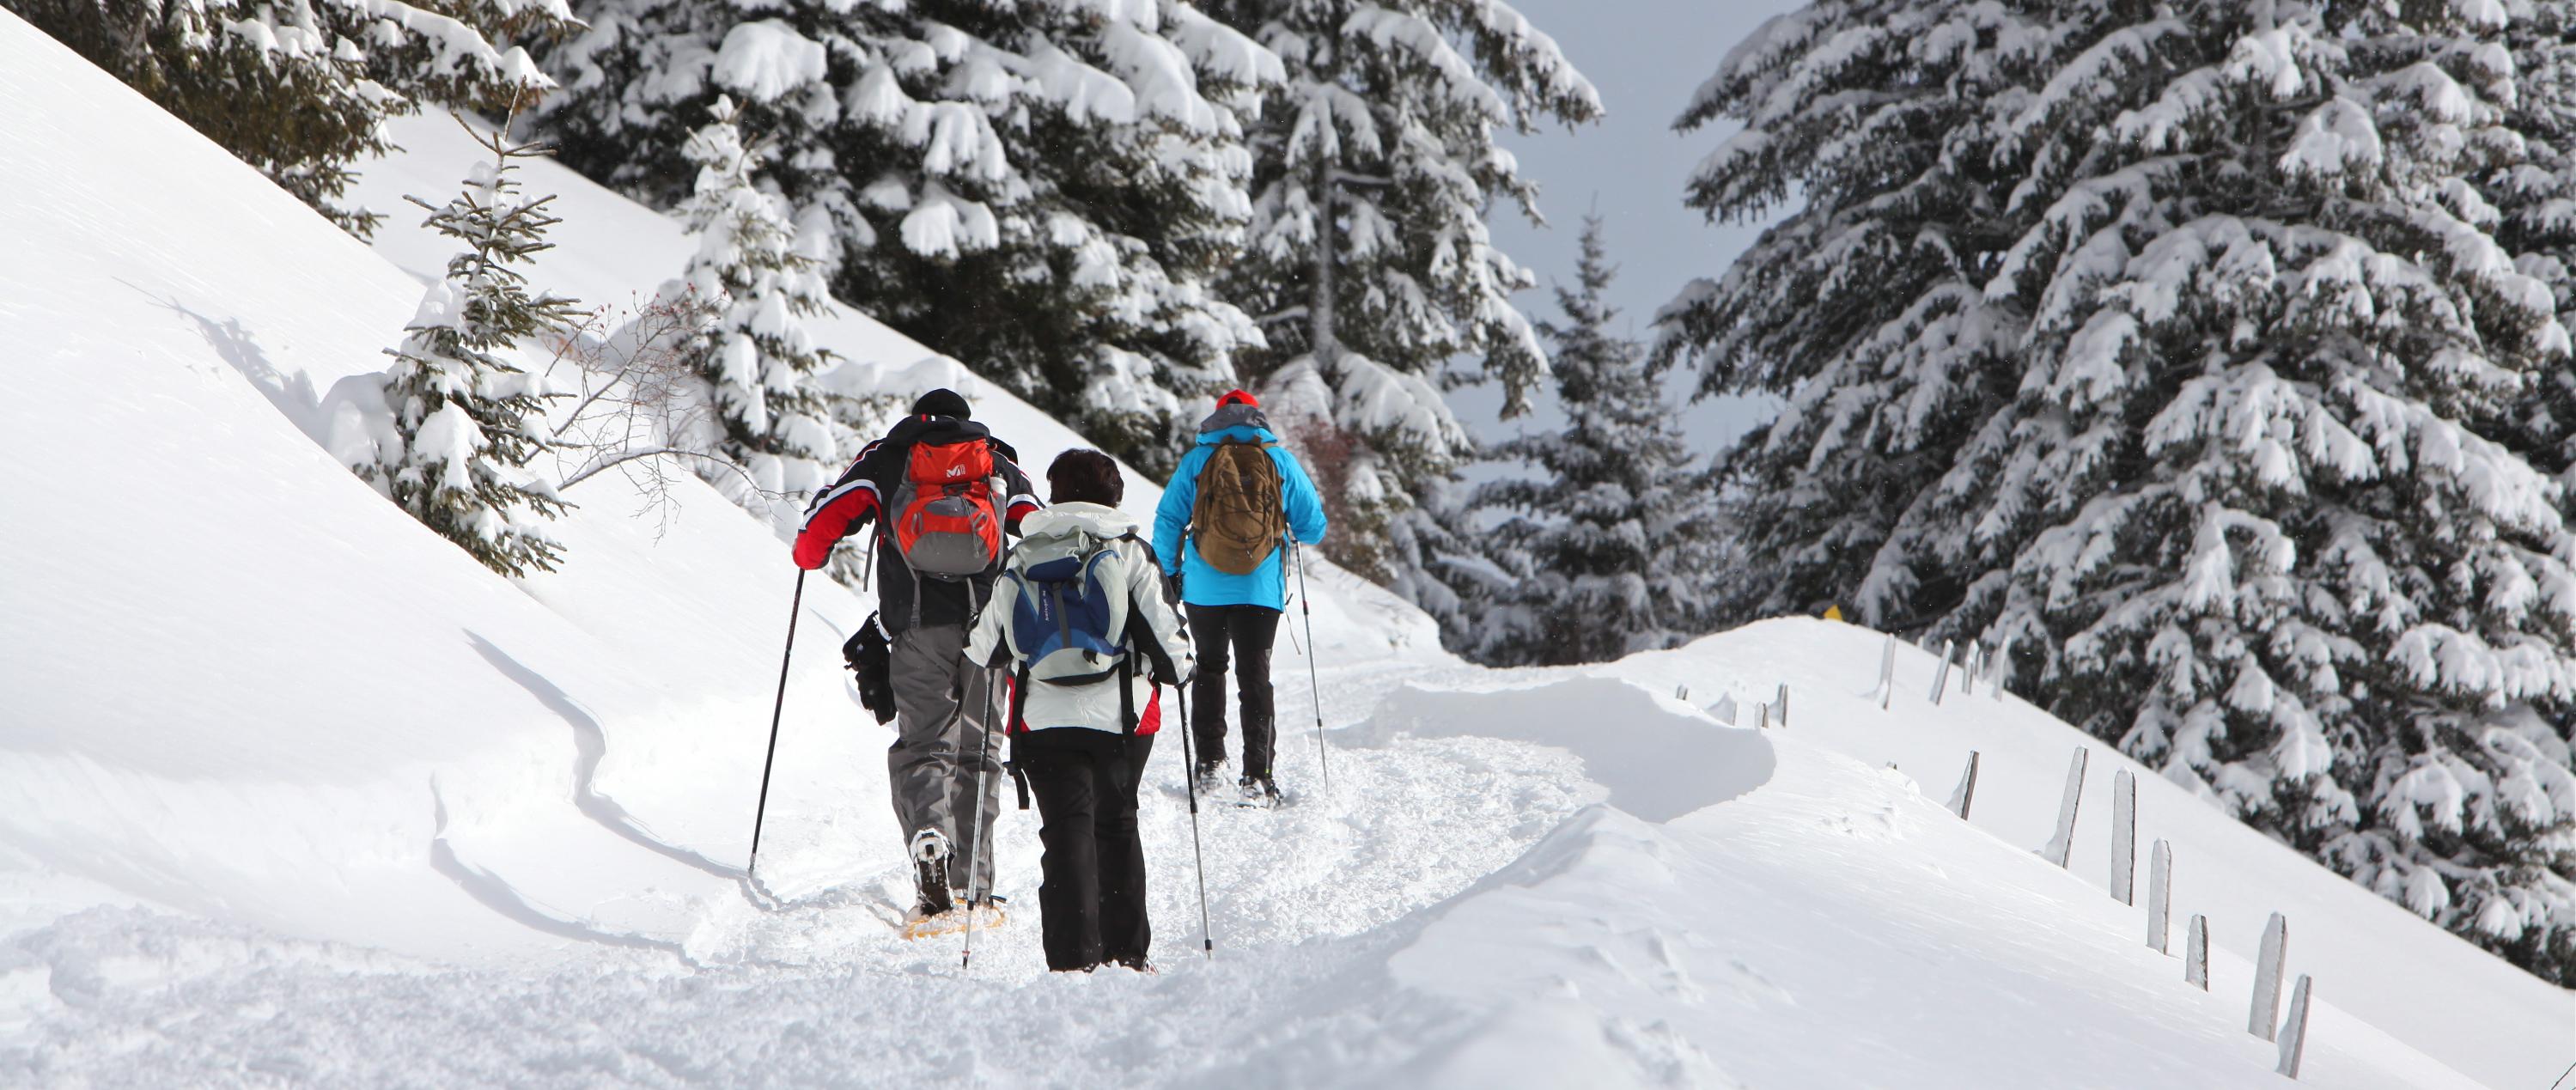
x=990, y=640
x=1154, y=626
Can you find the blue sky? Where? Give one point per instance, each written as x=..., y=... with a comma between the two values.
x=1646, y=57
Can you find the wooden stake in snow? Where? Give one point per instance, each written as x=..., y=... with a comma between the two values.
x=1783, y=704
x=1681, y=693
x=1762, y=717
x=2159, y=896
x=2003, y=659
x=2195, y=957
x=2267, y=978
x=2060, y=845
x=2124, y=837
x=1941, y=678
x=2294, y=1033
x=1968, y=664
x=1965, y=794
x=1887, y=672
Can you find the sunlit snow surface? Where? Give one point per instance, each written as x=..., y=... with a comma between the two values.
x=292, y=792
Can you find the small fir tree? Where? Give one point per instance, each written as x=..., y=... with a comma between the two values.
x=300, y=89
x=756, y=358
x=1610, y=546
x=466, y=420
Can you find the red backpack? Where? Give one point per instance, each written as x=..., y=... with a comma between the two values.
x=945, y=523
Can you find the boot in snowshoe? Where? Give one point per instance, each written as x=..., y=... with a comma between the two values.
x=1210, y=777
x=1257, y=792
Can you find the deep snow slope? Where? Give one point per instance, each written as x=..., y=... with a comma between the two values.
x=2370, y=957
x=293, y=793
x=239, y=682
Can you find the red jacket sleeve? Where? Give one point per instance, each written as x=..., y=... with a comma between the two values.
x=833, y=517
x=1023, y=497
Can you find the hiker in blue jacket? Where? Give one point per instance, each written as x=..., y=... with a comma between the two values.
x=1223, y=529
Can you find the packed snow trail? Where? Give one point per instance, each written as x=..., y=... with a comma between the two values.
x=1804, y=921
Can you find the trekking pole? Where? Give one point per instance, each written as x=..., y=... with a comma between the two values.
x=975, y=850
x=1190, y=778
x=761, y=813
x=1306, y=606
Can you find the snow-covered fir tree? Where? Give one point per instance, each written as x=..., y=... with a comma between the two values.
x=1371, y=265
x=1610, y=542
x=2535, y=200
x=466, y=421
x=761, y=281
x=2176, y=345
x=301, y=89
x=1042, y=190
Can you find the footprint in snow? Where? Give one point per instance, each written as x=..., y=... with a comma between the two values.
x=1756, y=989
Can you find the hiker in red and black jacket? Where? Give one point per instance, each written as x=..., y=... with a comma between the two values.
x=943, y=491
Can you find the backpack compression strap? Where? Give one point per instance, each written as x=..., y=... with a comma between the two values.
x=1019, y=702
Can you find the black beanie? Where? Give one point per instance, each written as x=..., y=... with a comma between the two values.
x=942, y=402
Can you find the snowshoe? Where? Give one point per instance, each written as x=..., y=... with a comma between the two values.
x=986, y=915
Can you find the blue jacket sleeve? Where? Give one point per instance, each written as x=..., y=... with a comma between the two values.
x=1305, y=505
x=1179, y=498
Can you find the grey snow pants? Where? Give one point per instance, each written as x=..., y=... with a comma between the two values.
x=941, y=723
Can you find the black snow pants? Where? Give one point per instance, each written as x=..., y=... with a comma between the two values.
x=1091, y=899
x=1247, y=632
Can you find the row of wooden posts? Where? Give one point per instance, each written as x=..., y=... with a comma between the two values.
x=2263, y=1019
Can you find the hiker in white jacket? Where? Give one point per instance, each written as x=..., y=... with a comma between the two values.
x=1080, y=621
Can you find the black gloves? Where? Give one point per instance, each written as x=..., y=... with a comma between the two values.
x=872, y=659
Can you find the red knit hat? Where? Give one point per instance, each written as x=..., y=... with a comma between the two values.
x=1236, y=397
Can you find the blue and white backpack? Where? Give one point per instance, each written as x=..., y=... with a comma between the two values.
x=1068, y=611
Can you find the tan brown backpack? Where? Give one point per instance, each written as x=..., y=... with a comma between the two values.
x=1238, y=519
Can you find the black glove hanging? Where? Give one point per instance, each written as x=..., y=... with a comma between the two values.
x=871, y=657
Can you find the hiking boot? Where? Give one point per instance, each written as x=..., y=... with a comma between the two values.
x=1258, y=791
x=1210, y=776
x=930, y=878
x=929, y=852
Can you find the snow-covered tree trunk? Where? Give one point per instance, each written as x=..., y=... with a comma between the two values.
x=1374, y=169
x=2178, y=346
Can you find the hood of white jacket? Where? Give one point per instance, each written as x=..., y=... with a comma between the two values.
x=1065, y=519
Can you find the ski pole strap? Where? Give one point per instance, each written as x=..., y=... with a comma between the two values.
x=1019, y=698
x=1127, y=696
x=1019, y=779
